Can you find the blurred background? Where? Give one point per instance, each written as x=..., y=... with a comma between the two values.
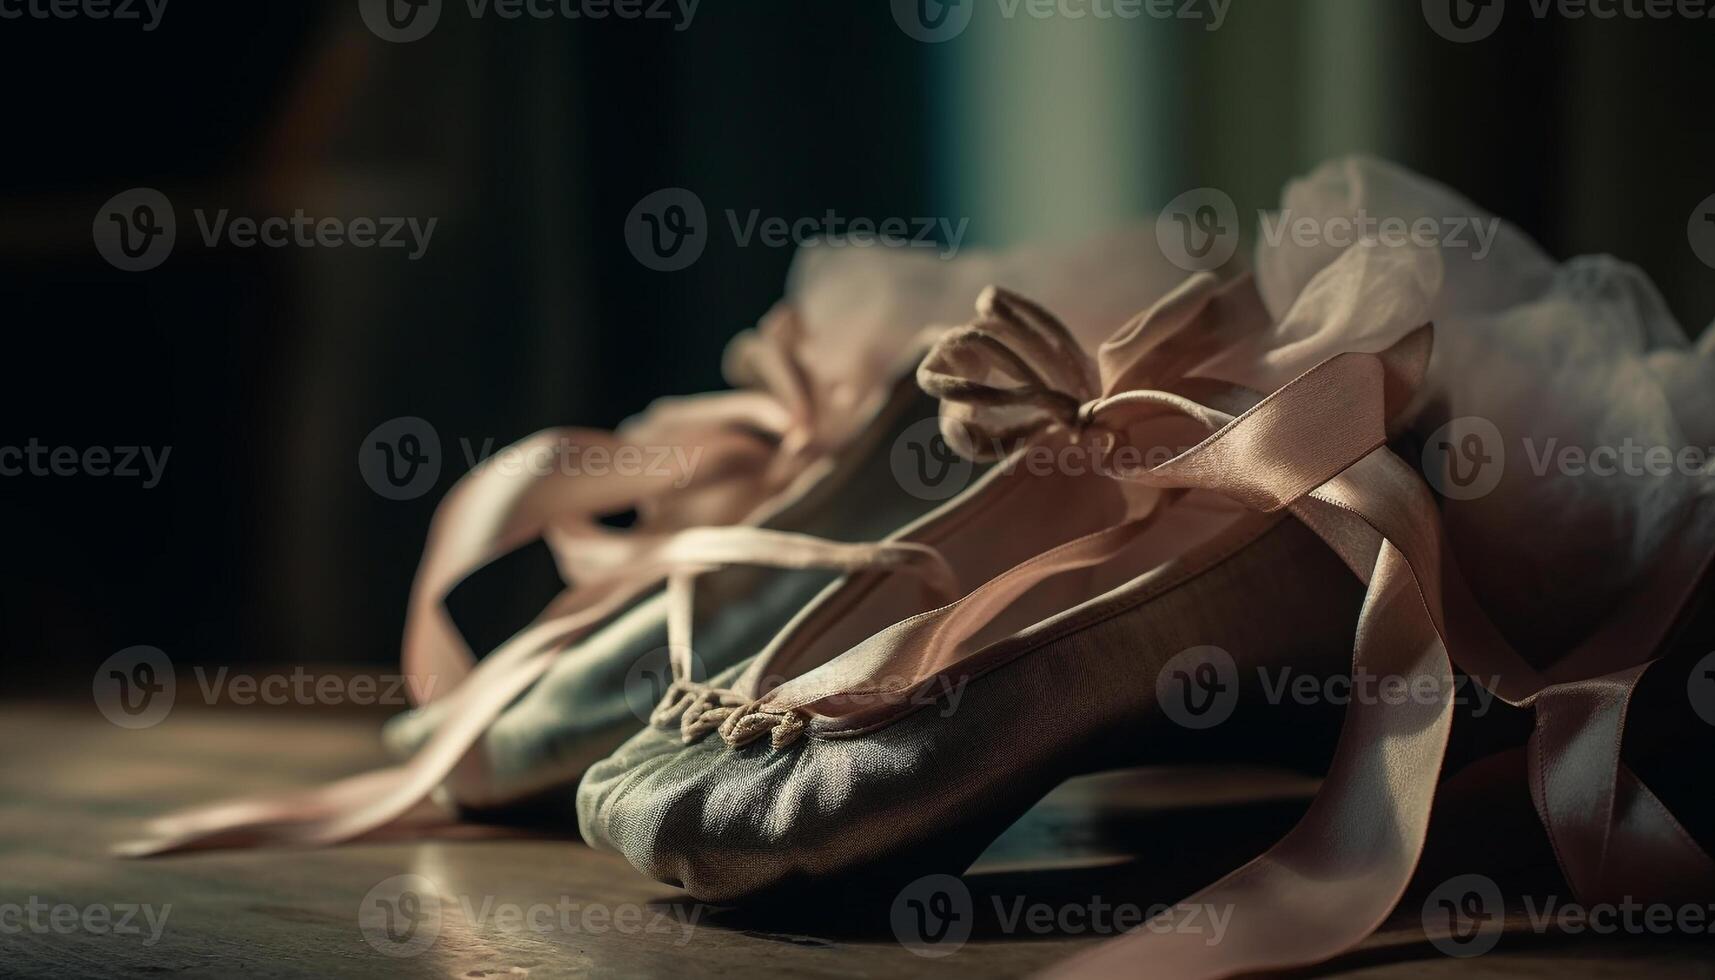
x=262, y=371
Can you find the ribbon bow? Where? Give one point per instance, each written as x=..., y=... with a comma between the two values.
x=1337, y=875
x=1315, y=447
x=1016, y=377
x=1016, y=373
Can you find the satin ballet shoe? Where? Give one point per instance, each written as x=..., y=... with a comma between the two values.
x=846, y=756
x=813, y=382
x=597, y=695
x=528, y=763
x=829, y=810
x=1567, y=586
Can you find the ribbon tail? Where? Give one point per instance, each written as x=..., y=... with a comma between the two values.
x=1342, y=869
x=358, y=805
x=1613, y=838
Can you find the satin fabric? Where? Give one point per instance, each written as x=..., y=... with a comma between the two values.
x=1016, y=376
x=836, y=815
x=1316, y=448
x=811, y=377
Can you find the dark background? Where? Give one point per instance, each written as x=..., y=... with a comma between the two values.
x=531, y=141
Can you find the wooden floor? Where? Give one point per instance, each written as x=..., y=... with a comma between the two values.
x=513, y=905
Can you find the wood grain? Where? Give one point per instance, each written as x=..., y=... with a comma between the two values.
x=71, y=784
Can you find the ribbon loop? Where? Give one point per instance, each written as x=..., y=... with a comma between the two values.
x=1338, y=874
x=1317, y=445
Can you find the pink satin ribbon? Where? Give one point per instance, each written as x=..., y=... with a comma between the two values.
x=1316, y=447
x=752, y=449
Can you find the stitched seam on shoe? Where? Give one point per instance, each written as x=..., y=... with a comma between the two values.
x=1094, y=616
x=1083, y=621
x=954, y=523
x=1035, y=559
